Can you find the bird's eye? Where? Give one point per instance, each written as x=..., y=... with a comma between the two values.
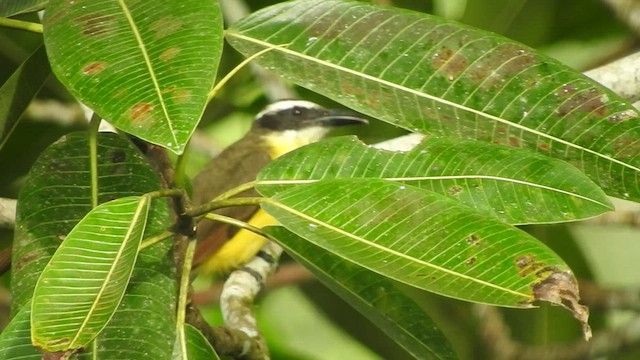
x=296, y=111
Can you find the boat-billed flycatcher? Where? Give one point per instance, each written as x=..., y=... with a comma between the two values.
x=281, y=127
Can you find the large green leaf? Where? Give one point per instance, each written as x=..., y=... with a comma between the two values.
x=422, y=239
x=81, y=287
x=146, y=69
x=513, y=185
x=376, y=297
x=429, y=75
x=16, y=93
x=14, y=7
x=15, y=340
x=56, y=195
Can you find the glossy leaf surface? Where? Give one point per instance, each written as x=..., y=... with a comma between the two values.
x=513, y=185
x=422, y=239
x=146, y=69
x=83, y=284
x=375, y=296
x=428, y=75
x=55, y=196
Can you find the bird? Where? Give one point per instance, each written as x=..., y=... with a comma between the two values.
x=281, y=127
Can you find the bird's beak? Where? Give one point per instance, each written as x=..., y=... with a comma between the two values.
x=335, y=118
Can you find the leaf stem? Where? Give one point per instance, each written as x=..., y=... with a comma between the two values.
x=180, y=178
x=235, y=70
x=21, y=25
x=218, y=204
x=94, y=126
x=166, y=193
x=184, y=292
x=236, y=190
x=152, y=240
x=236, y=222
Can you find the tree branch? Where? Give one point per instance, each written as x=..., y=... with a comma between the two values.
x=621, y=76
x=7, y=213
x=241, y=288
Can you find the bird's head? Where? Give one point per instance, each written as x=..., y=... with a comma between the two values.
x=302, y=121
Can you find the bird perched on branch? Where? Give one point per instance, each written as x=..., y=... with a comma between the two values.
x=281, y=127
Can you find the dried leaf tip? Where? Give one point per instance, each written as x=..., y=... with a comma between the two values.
x=561, y=288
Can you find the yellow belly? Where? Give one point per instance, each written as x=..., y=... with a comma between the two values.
x=242, y=247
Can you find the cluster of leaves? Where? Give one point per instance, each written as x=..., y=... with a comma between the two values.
x=513, y=138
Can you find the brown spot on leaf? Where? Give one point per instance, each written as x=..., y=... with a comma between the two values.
x=455, y=190
x=93, y=68
x=141, y=111
x=181, y=96
x=514, y=60
x=450, y=63
x=166, y=26
x=470, y=261
x=473, y=239
x=622, y=116
x=26, y=259
x=96, y=24
x=60, y=355
x=528, y=265
x=349, y=89
x=543, y=146
x=561, y=288
x=57, y=16
x=169, y=89
x=169, y=54
x=589, y=101
x=515, y=141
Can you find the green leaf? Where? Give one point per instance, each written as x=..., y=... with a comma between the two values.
x=376, y=297
x=81, y=287
x=197, y=345
x=419, y=238
x=14, y=7
x=145, y=69
x=514, y=185
x=16, y=93
x=15, y=340
x=432, y=76
x=55, y=196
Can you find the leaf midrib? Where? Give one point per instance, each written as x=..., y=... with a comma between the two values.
x=444, y=177
x=147, y=61
x=142, y=203
x=387, y=250
x=431, y=97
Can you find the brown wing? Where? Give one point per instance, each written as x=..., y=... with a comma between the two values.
x=238, y=164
